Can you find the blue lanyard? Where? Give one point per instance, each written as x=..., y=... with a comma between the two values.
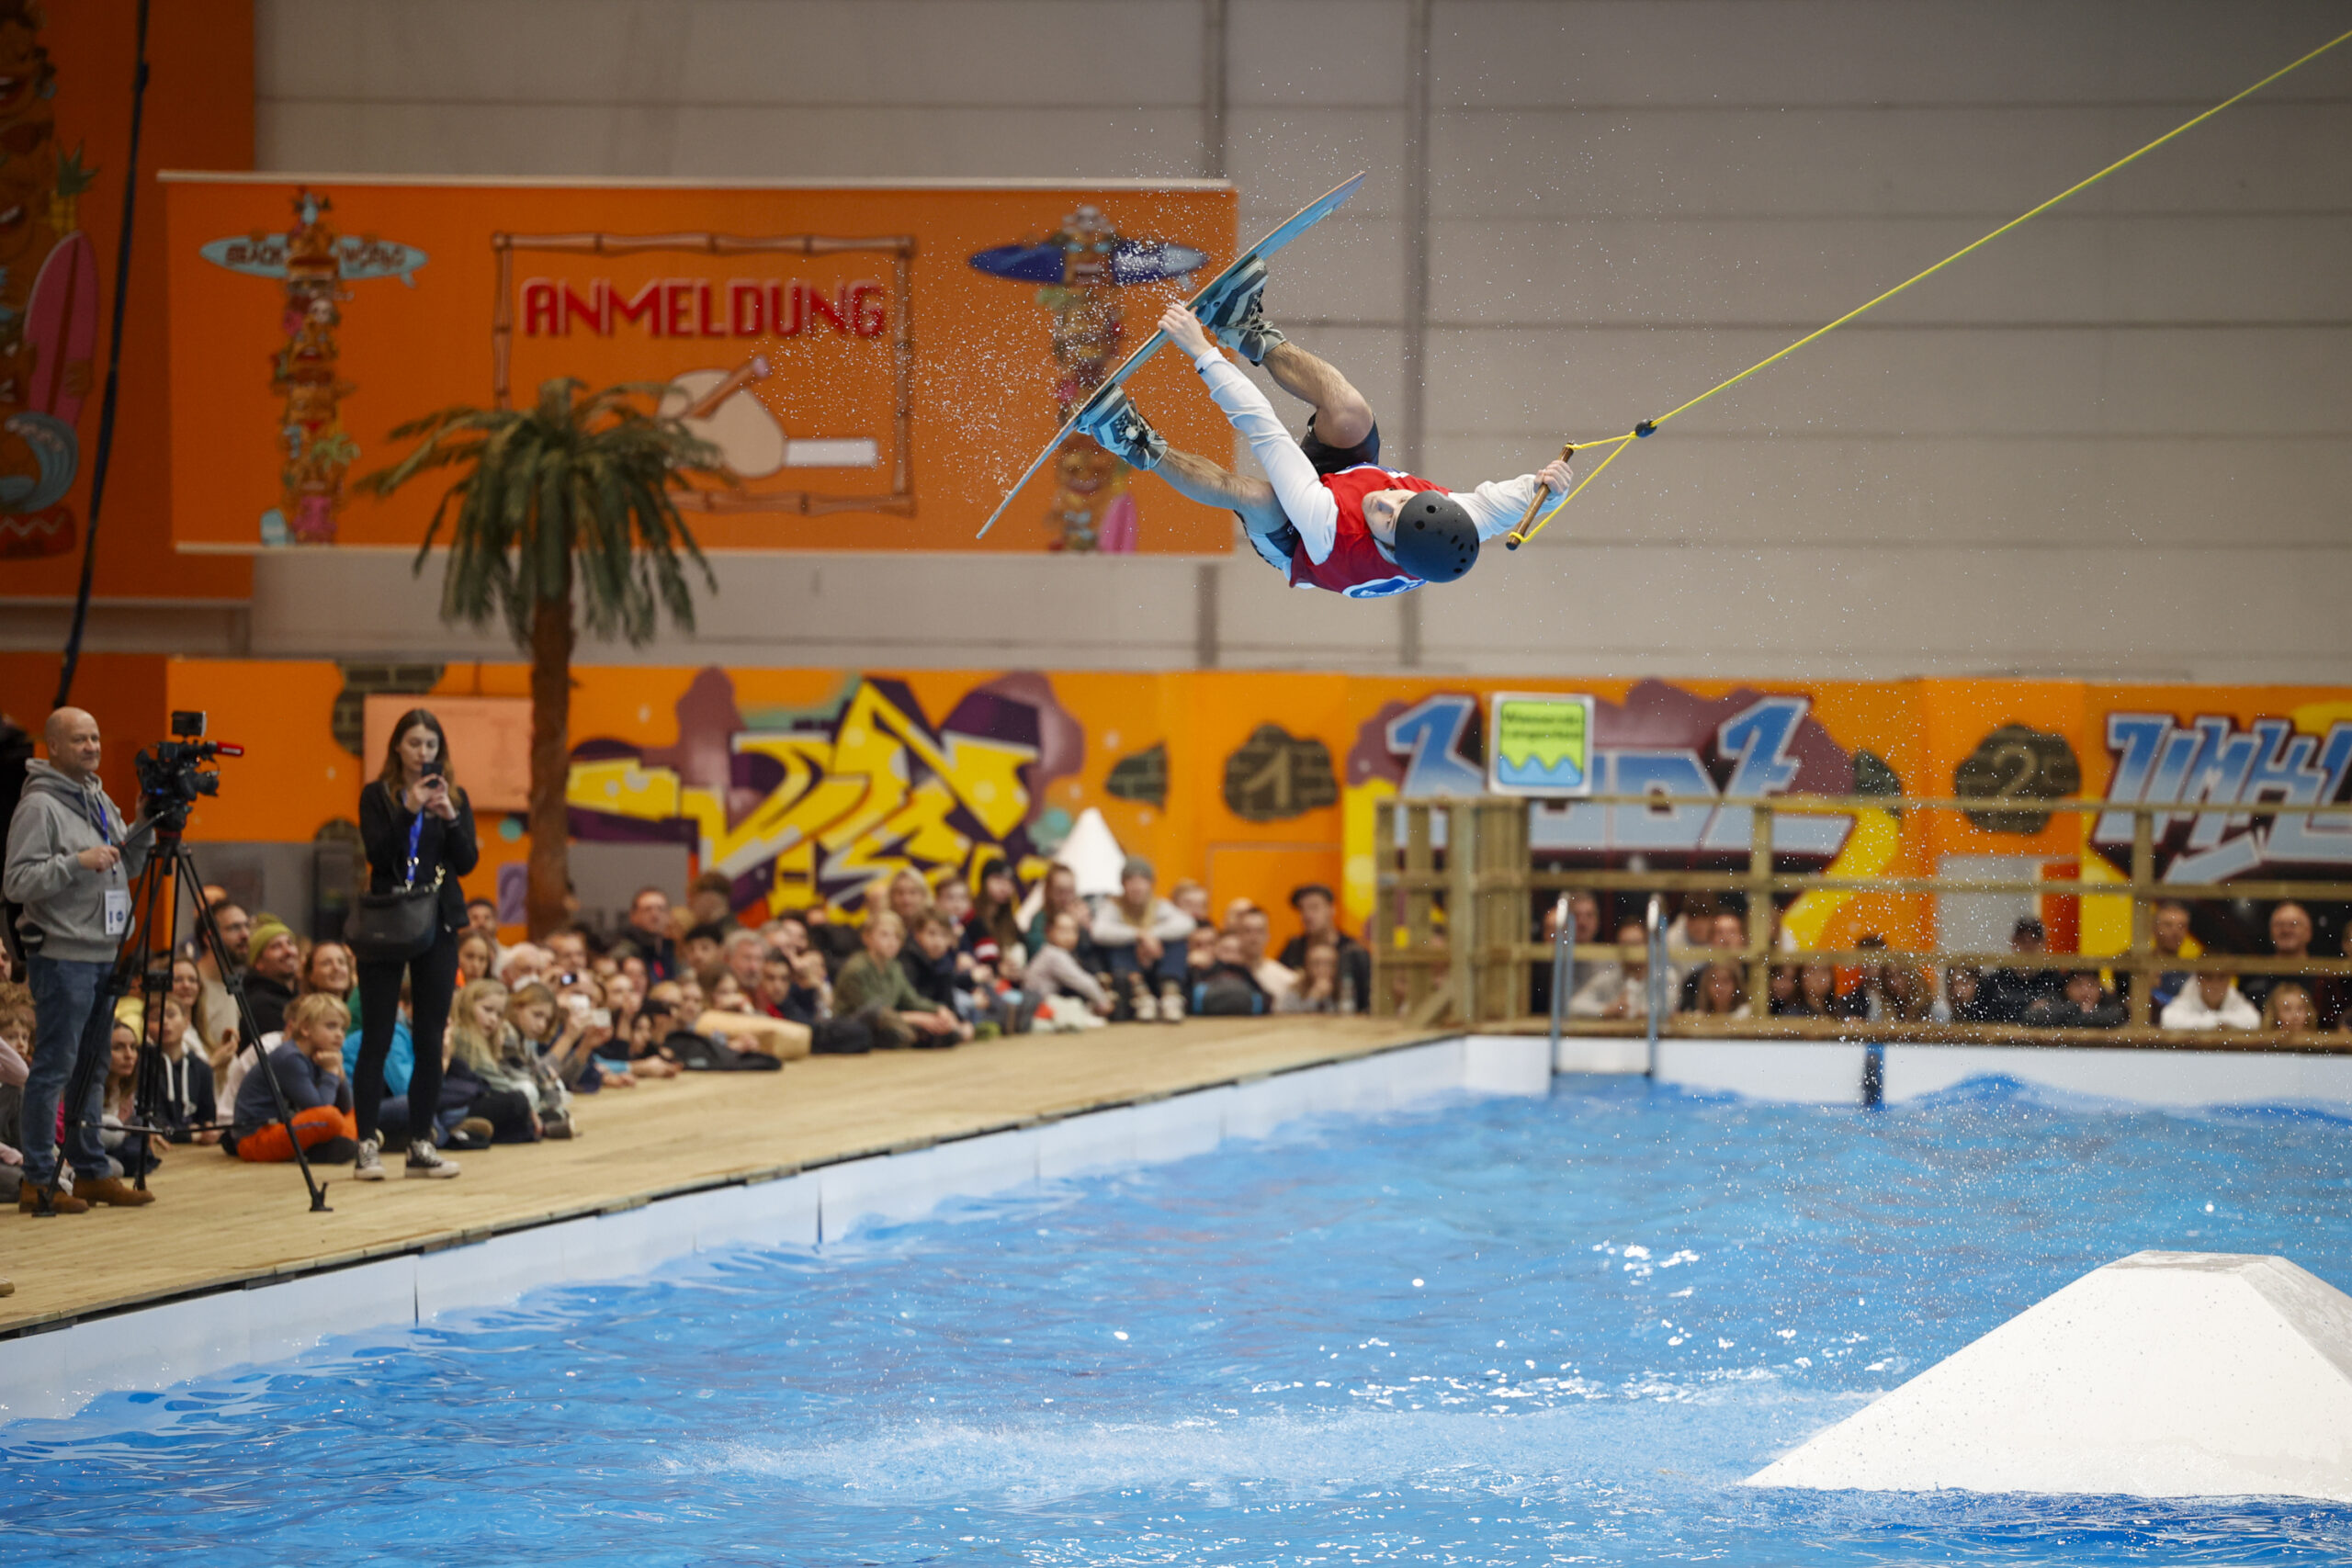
x=96, y=807
x=415, y=836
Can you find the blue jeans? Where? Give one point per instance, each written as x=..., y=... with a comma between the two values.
x=64, y=992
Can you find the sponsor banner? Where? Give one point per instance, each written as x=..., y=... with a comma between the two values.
x=873, y=365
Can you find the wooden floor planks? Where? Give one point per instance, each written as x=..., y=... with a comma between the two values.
x=220, y=1222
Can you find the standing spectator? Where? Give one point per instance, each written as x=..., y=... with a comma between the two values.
x=2010, y=994
x=647, y=934
x=1619, y=989
x=2213, y=1002
x=2083, y=1004
x=309, y=1070
x=1141, y=940
x=873, y=987
x=1584, y=915
x=2291, y=937
x=1275, y=977
x=1319, y=926
x=415, y=822
x=273, y=971
x=2287, y=1009
x=70, y=858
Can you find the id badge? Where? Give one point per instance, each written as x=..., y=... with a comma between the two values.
x=118, y=910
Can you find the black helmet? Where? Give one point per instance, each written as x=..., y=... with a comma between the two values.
x=1436, y=541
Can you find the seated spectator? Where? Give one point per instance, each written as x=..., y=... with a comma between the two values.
x=711, y=902
x=2333, y=994
x=930, y=961
x=128, y=1155
x=481, y=920
x=2083, y=1003
x=874, y=987
x=1781, y=991
x=1319, y=925
x=953, y=898
x=476, y=953
x=908, y=896
x=1964, y=996
x=524, y=963
x=2169, y=928
x=273, y=968
x=2291, y=937
x=1619, y=989
x=1057, y=971
x=795, y=989
x=1722, y=992
x=640, y=1038
x=308, y=1069
x=1230, y=987
x=1818, y=996
x=563, y=1041
x=16, y=1065
x=188, y=1108
x=733, y=1020
x=1323, y=985
x=1061, y=896
x=2288, y=1011
x=992, y=935
x=1139, y=939
x=647, y=934
x=2213, y=1002
x=1726, y=931
x=1584, y=911
x=742, y=953
x=2011, y=993
x=1898, y=991
x=568, y=952
x=1250, y=924
x=703, y=951
x=506, y=1094
x=1193, y=899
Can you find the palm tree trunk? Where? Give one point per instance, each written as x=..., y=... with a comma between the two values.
x=551, y=638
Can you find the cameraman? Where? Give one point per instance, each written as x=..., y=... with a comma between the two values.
x=69, y=863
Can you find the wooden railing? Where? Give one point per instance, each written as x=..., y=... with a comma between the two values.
x=1457, y=937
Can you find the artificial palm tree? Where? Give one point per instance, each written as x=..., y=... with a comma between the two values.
x=564, y=512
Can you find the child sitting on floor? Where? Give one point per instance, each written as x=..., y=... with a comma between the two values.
x=308, y=1069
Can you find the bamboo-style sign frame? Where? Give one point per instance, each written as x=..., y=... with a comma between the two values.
x=900, y=249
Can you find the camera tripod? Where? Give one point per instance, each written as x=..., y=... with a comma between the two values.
x=143, y=969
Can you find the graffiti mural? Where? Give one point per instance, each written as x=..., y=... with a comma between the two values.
x=808, y=808
x=2215, y=761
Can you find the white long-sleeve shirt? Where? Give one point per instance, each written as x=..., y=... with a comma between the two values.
x=1495, y=507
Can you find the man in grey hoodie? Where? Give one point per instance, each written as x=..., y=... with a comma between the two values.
x=70, y=859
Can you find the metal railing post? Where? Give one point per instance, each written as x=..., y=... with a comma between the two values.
x=1563, y=939
x=1654, y=928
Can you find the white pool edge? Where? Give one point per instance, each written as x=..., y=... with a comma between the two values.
x=55, y=1372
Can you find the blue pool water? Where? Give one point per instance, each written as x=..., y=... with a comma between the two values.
x=1493, y=1333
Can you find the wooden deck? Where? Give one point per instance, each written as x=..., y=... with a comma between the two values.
x=218, y=1222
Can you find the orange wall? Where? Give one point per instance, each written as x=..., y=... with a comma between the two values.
x=200, y=114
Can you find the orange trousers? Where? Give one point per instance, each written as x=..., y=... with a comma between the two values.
x=313, y=1126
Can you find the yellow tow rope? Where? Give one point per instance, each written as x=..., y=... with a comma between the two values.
x=1620, y=443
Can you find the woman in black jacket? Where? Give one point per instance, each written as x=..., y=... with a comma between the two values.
x=413, y=807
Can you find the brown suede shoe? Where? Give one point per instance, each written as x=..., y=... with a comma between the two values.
x=29, y=1201
x=112, y=1189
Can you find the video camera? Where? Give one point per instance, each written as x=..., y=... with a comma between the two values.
x=172, y=772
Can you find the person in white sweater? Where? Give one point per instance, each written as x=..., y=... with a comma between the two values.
x=2213, y=1002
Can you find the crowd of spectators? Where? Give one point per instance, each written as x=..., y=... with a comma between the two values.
x=1903, y=988
x=686, y=987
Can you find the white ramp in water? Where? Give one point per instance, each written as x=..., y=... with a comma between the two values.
x=2166, y=1375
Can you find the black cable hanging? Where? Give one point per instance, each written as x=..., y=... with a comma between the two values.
x=114, y=369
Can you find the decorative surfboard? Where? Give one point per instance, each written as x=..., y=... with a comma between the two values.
x=61, y=325
x=1290, y=229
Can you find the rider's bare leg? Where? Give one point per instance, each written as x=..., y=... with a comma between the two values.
x=1342, y=418
x=1197, y=479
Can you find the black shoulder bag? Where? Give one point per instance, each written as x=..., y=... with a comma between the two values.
x=394, y=926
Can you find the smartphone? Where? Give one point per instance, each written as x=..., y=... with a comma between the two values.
x=600, y=1018
x=578, y=1004
x=432, y=770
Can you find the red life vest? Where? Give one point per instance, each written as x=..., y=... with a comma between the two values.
x=1356, y=566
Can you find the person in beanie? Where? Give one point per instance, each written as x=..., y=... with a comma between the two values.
x=70, y=859
x=273, y=973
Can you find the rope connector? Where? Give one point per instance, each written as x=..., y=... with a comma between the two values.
x=1648, y=427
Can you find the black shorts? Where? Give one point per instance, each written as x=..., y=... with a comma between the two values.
x=1328, y=459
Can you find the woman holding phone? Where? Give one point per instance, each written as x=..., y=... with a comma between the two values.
x=412, y=812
